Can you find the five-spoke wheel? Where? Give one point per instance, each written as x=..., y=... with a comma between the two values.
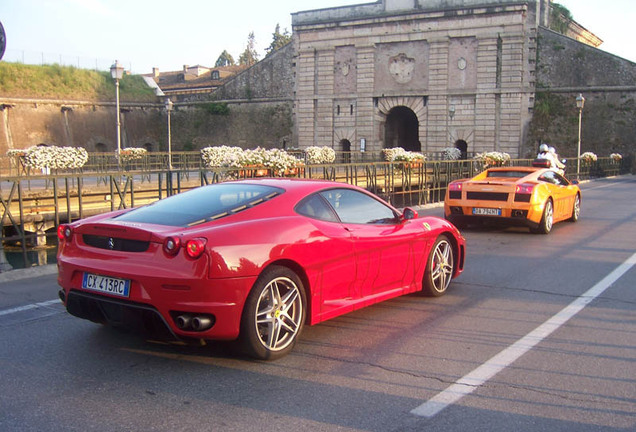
x=439, y=268
x=274, y=314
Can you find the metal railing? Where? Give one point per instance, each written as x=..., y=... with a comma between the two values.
x=33, y=206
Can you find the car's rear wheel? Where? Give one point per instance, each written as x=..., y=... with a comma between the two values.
x=274, y=314
x=545, y=226
x=576, y=209
x=440, y=268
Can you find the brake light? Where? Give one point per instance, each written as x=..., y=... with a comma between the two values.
x=455, y=186
x=171, y=245
x=525, y=188
x=194, y=248
x=64, y=232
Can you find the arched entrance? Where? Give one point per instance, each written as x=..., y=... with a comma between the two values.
x=401, y=129
x=345, y=147
x=463, y=147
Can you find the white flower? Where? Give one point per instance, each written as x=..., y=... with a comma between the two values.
x=451, y=153
x=616, y=157
x=52, y=157
x=276, y=160
x=398, y=154
x=222, y=156
x=132, y=153
x=319, y=155
x=493, y=158
x=589, y=157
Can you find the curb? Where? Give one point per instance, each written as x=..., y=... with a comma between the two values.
x=19, y=274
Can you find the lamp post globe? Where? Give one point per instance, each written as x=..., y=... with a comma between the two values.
x=169, y=105
x=580, y=103
x=117, y=72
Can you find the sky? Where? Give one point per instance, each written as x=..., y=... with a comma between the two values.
x=143, y=34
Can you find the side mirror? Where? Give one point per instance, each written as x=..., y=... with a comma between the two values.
x=409, y=214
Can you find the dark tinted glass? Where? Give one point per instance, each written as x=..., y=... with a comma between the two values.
x=511, y=174
x=202, y=204
x=315, y=207
x=358, y=208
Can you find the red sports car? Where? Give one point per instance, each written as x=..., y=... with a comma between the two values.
x=251, y=261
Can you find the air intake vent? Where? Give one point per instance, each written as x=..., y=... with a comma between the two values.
x=487, y=196
x=114, y=243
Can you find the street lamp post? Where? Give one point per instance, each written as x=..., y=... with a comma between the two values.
x=580, y=102
x=117, y=72
x=169, y=110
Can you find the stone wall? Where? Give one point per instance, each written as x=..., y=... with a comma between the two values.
x=28, y=122
x=566, y=68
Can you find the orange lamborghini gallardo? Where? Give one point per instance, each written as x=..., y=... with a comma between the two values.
x=527, y=196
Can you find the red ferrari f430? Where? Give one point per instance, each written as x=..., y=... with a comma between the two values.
x=252, y=261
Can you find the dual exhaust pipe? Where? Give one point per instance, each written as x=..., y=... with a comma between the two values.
x=196, y=323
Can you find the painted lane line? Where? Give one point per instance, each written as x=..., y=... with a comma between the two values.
x=471, y=381
x=29, y=307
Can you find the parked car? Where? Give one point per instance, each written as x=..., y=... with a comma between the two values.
x=252, y=261
x=529, y=196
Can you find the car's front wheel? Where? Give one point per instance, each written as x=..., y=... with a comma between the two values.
x=274, y=314
x=440, y=268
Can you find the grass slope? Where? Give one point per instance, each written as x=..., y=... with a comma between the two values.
x=67, y=82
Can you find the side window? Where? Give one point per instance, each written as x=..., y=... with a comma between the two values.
x=316, y=208
x=358, y=208
x=560, y=180
x=554, y=178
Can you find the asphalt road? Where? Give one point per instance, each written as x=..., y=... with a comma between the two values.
x=538, y=334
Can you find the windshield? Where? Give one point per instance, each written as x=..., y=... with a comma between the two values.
x=507, y=174
x=202, y=204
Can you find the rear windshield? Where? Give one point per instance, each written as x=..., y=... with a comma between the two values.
x=202, y=204
x=508, y=174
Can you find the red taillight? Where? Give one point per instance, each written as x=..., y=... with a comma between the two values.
x=64, y=232
x=455, y=186
x=524, y=188
x=194, y=248
x=171, y=245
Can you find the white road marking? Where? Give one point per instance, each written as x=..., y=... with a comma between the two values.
x=29, y=307
x=471, y=381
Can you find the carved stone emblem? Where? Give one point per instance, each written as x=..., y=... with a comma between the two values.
x=401, y=68
x=461, y=63
x=345, y=69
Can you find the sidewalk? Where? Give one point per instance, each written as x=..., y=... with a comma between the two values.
x=17, y=274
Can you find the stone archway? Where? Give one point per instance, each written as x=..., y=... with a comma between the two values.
x=402, y=129
x=462, y=146
x=412, y=107
x=345, y=148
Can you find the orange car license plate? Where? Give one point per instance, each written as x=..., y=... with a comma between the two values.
x=478, y=211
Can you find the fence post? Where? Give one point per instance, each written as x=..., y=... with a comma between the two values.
x=4, y=264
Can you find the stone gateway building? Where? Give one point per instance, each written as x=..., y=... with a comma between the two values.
x=419, y=74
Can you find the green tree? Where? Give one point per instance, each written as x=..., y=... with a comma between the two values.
x=560, y=18
x=225, y=59
x=279, y=40
x=249, y=56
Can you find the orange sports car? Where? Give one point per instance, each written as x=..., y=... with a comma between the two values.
x=527, y=196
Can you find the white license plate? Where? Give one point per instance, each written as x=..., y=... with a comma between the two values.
x=486, y=211
x=105, y=284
